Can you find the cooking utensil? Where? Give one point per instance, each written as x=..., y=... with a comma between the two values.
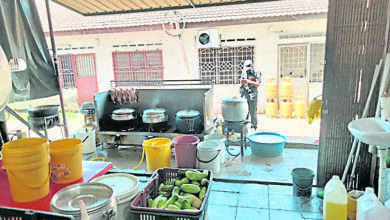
x=41, y=123
x=43, y=110
x=125, y=187
x=123, y=114
x=98, y=198
x=234, y=109
x=154, y=115
x=188, y=121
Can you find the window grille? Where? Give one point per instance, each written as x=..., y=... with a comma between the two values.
x=317, y=58
x=66, y=71
x=296, y=60
x=85, y=65
x=138, y=65
x=223, y=65
x=293, y=61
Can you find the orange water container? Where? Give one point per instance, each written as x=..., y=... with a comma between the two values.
x=27, y=163
x=300, y=108
x=66, y=160
x=286, y=109
x=285, y=88
x=271, y=88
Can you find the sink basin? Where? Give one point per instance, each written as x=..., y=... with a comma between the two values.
x=372, y=131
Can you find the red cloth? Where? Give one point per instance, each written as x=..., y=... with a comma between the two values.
x=91, y=170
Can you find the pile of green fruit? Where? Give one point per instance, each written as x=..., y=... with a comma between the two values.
x=185, y=193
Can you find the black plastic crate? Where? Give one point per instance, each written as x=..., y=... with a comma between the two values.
x=140, y=211
x=7, y=213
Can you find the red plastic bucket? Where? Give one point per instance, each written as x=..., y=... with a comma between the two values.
x=185, y=151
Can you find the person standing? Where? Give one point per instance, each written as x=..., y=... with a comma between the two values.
x=250, y=81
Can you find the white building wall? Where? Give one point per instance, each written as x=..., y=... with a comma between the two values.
x=265, y=58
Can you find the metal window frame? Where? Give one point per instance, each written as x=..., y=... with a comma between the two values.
x=147, y=69
x=216, y=76
x=308, y=45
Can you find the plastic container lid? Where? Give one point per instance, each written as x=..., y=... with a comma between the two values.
x=125, y=186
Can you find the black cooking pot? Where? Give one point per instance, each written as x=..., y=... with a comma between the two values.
x=188, y=122
x=42, y=111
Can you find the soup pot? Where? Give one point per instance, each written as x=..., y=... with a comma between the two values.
x=234, y=109
x=188, y=121
x=99, y=200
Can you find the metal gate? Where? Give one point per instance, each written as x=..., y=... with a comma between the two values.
x=223, y=65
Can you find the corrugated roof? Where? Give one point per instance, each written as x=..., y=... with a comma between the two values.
x=67, y=20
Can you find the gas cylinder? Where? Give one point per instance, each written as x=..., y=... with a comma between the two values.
x=300, y=108
x=286, y=109
x=271, y=88
x=285, y=88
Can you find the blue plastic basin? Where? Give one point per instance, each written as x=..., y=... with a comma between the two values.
x=267, y=144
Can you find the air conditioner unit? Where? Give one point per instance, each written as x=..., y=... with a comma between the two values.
x=207, y=38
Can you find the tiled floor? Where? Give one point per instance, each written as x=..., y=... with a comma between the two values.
x=273, y=169
x=232, y=201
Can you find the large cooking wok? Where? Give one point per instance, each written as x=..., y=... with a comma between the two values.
x=5, y=79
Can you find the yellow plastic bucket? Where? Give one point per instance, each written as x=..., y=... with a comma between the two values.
x=158, y=153
x=27, y=164
x=66, y=160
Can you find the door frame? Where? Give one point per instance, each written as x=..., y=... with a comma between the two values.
x=76, y=72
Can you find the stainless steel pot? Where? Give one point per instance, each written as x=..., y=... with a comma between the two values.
x=123, y=114
x=234, y=109
x=154, y=115
x=99, y=200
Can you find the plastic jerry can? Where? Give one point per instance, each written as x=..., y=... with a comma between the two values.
x=369, y=207
x=335, y=200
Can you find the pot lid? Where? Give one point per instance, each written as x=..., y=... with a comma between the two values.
x=42, y=108
x=209, y=145
x=123, y=111
x=125, y=186
x=187, y=113
x=233, y=99
x=154, y=111
x=94, y=195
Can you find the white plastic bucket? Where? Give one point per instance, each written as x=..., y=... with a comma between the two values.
x=125, y=187
x=208, y=155
x=89, y=135
x=220, y=138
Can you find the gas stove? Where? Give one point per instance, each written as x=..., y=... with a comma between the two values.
x=172, y=99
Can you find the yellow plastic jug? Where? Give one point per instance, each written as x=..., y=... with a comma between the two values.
x=27, y=163
x=335, y=200
x=66, y=160
x=158, y=153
